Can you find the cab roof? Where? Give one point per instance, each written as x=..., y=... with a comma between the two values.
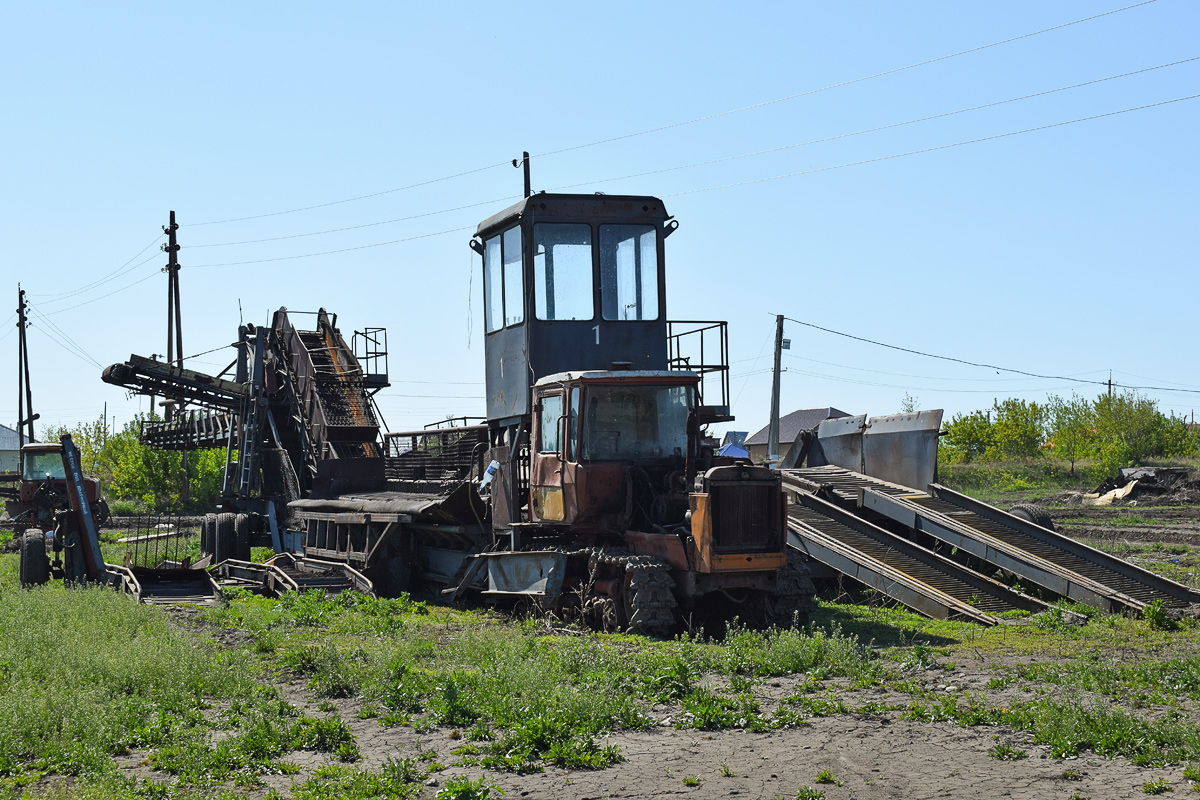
x=639, y=376
x=578, y=208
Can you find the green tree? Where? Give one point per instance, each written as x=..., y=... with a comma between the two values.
x=1072, y=427
x=1018, y=429
x=968, y=437
x=1129, y=429
x=154, y=479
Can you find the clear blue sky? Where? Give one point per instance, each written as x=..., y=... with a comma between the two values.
x=1067, y=251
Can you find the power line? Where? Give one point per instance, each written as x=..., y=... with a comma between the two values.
x=354, y=199
x=843, y=83
x=357, y=227
x=700, y=163
x=728, y=185
x=64, y=335
x=82, y=357
x=979, y=364
x=995, y=391
x=876, y=129
x=685, y=122
x=894, y=374
x=101, y=297
x=116, y=273
x=334, y=252
x=934, y=149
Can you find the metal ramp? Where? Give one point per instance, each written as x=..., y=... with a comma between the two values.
x=920, y=579
x=166, y=586
x=288, y=573
x=1039, y=556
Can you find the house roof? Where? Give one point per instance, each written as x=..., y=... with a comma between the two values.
x=9, y=438
x=803, y=420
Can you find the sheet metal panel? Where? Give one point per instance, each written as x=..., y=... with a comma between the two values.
x=902, y=448
x=839, y=443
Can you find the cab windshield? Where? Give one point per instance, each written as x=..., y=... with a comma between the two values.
x=38, y=465
x=622, y=423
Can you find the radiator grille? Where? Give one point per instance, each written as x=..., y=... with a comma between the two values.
x=746, y=517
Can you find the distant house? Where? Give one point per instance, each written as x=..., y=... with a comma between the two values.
x=803, y=420
x=10, y=450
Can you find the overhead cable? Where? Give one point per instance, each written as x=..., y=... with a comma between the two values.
x=843, y=83
x=333, y=252
x=874, y=130
x=683, y=123
x=980, y=364
x=353, y=199
x=116, y=273
x=933, y=149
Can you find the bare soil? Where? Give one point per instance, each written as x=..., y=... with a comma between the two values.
x=872, y=757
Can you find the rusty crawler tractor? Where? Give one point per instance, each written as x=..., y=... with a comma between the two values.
x=605, y=499
x=589, y=490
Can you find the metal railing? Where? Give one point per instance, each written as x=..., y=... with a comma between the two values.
x=702, y=347
x=163, y=542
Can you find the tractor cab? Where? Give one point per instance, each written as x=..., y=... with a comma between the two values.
x=570, y=282
x=612, y=450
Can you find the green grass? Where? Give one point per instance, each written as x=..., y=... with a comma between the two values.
x=86, y=674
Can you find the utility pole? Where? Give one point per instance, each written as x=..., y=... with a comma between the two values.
x=24, y=393
x=773, y=430
x=174, y=326
x=1110, y=384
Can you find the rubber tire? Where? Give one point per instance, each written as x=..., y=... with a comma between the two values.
x=208, y=531
x=35, y=565
x=241, y=537
x=223, y=538
x=1031, y=513
x=100, y=512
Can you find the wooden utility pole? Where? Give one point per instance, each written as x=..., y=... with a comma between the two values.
x=773, y=430
x=25, y=415
x=174, y=331
x=174, y=315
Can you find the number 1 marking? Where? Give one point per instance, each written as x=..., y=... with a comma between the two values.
x=596, y=328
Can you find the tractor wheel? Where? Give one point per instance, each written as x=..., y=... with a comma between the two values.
x=100, y=512
x=208, y=530
x=223, y=538
x=241, y=537
x=1031, y=513
x=35, y=566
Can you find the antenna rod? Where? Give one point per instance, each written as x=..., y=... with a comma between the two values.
x=524, y=161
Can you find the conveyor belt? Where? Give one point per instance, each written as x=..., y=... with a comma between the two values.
x=1128, y=579
x=837, y=484
x=922, y=580
x=1040, y=556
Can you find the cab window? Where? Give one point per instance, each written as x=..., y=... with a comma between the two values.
x=629, y=272
x=552, y=406
x=562, y=271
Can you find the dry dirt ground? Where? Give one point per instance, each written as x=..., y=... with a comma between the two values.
x=874, y=757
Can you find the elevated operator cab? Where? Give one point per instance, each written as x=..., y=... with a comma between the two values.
x=570, y=282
